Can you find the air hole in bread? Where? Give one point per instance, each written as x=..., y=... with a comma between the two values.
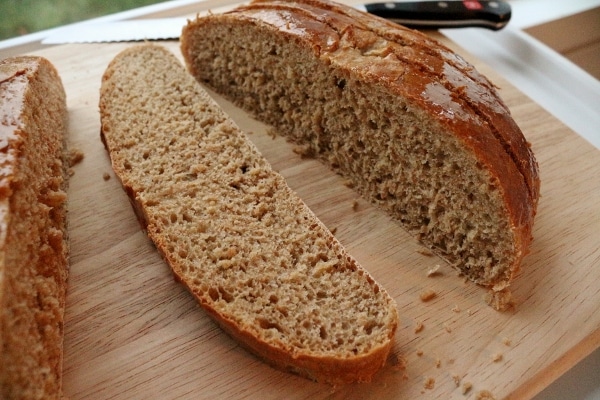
x=323, y=332
x=266, y=324
x=220, y=293
x=369, y=326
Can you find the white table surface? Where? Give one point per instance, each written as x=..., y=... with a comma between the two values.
x=556, y=84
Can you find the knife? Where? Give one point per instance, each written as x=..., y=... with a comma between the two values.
x=414, y=14
x=444, y=14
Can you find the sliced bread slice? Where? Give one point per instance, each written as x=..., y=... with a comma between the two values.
x=250, y=251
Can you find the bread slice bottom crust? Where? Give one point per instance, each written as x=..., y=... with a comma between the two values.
x=250, y=251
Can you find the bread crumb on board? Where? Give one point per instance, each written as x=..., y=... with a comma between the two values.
x=425, y=252
x=456, y=308
x=466, y=387
x=497, y=357
x=74, y=157
x=500, y=300
x=354, y=205
x=419, y=327
x=506, y=341
x=348, y=183
x=435, y=270
x=427, y=294
x=429, y=383
x=106, y=176
x=272, y=133
x=397, y=361
x=304, y=151
x=484, y=395
x=456, y=379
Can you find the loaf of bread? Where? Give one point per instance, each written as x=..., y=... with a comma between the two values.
x=33, y=237
x=250, y=251
x=416, y=129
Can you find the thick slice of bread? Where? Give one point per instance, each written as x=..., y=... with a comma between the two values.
x=418, y=130
x=250, y=251
x=33, y=237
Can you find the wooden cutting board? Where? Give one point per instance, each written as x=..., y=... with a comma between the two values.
x=133, y=332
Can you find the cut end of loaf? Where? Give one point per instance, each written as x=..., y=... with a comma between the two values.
x=255, y=257
x=414, y=127
x=33, y=237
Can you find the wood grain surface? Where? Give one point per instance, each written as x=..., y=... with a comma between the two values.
x=132, y=332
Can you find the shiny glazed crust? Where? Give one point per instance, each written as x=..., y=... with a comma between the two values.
x=432, y=84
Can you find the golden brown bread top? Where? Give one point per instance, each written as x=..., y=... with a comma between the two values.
x=424, y=71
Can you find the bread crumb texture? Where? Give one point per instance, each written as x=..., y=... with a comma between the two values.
x=415, y=128
x=429, y=383
x=484, y=395
x=466, y=387
x=427, y=295
x=245, y=245
x=419, y=326
x=74, y=157
x=33, y=240
x=456, y=378
x=435, y=270
x=501, y=300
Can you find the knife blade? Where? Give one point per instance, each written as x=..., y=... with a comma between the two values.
x=414, y=14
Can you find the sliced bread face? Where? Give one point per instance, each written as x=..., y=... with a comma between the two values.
x=250, y=251
x=417, y=129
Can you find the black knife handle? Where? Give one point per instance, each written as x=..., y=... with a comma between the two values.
x=445, y=14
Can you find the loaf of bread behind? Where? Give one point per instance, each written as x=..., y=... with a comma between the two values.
x=416, y=129
x=251, y=252
x=33, y=237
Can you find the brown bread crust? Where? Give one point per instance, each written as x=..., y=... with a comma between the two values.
x=384, y=59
